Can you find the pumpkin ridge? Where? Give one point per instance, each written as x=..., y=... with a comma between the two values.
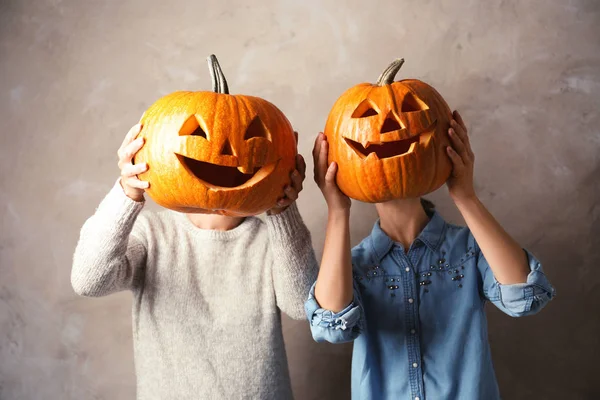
x=333, y=152
x=250, y=190
x=359, y=184
x=375, y=164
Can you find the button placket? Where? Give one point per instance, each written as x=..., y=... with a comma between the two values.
x=410, y=283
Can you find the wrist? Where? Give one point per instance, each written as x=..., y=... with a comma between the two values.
x=466, y=202
x=276, y=210
x=133, y=195
x=338, y=212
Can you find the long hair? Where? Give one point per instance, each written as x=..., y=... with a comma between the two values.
x=427, y=205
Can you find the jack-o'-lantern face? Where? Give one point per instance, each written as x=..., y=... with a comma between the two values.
x=389, y=139
x=215, y=152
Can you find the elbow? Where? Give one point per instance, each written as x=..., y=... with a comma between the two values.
x=321, y=335
x=529, y=307
x=85, y=283
x=84, y=288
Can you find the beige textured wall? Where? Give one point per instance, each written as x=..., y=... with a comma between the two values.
x=75, y=75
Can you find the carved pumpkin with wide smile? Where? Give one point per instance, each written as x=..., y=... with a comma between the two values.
x=216, y=152
x=389, y=139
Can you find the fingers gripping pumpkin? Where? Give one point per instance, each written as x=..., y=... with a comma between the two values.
x=216, y=152
x=389, y=139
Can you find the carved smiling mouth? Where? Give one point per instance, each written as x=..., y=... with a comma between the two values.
x=224, y=177
x=391, y=149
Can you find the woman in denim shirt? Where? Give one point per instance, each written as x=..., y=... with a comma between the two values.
x=412, y=294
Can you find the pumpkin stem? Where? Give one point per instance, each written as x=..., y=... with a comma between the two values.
x=387, y=76
x=219, y=83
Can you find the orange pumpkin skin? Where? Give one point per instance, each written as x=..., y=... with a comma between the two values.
x=389, y=139
x=216, y=153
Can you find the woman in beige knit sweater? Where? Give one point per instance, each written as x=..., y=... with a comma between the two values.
x=208, y=289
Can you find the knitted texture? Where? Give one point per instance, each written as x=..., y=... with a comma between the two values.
x=206, y=320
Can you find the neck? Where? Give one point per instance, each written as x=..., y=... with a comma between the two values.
x=402, y=219
x=215, y=222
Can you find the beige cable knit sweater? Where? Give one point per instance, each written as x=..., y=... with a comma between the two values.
x=206, y=320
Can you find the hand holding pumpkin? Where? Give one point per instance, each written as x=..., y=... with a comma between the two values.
x=325, y=176
x=460, y=182
x=291, y=191
x=132, y=186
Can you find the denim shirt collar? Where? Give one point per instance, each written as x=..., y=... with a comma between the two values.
x=431, y=236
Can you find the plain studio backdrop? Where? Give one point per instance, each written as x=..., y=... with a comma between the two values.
x=76, y=75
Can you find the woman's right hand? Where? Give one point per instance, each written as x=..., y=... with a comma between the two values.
x=131, y=184
x=325, y=176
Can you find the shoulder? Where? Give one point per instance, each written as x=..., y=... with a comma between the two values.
x=457, y=233
x=152, y=223
x=363, y=254
x=459, y=242
x=256, y=225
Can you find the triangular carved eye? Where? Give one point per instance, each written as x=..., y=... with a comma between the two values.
x=199, y=132
x=410, y=103
x=256, y=129
x=226, y=150
x=365, y=109
x=192, y=128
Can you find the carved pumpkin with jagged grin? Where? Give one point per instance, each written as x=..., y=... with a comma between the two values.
x=215, y=152
x=389, y=139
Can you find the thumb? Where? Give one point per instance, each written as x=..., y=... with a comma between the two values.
x=331, y=172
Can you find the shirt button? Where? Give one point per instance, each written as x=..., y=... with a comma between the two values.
x=407, y=269
x=413, y=331
x=415, y=365
x=417, y=398
x=410, y=301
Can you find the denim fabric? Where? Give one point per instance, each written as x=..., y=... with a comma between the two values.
x=417, y=318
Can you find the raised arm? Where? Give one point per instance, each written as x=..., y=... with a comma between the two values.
x=506, y=258
x=108, y=257
x=333, y=290
x=295, y=265
x=333, y=307
x=517, y=284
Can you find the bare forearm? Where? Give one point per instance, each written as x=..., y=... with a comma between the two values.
x=333, y=290
x=506, y=258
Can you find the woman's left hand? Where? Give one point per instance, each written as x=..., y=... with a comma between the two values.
x=291, y=191
x=460, y=184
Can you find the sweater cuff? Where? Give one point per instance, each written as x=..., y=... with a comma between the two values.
x=287, y=223
x=119, y=208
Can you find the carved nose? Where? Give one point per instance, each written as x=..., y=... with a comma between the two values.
x=226, y=149
x=390, y=124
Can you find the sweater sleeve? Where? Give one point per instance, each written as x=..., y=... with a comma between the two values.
x=295, y=265
x=108, y=258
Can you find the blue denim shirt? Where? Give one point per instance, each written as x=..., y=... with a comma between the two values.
x=418, y=320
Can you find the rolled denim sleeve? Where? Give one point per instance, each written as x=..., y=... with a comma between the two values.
x=327, y=326
x=519, y=299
